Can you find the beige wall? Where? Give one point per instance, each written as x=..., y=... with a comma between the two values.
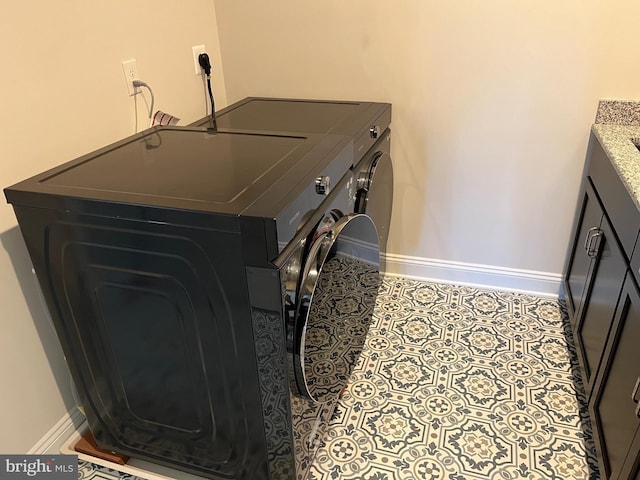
x=63, y=94
x=492, y=101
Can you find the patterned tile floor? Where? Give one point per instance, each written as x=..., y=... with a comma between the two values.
x=457, y=383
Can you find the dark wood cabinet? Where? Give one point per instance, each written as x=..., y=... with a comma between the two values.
x=594, y=279
x=603, y=303
x=614, y=405
x=632, y=465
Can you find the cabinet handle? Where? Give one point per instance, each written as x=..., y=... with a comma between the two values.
x=634, y=394
x=589, y=233
x=593, y=248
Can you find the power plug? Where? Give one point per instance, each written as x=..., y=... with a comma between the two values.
x=203, y=60
x=196, y=51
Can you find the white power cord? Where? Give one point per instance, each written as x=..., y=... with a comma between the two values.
x=140, y=83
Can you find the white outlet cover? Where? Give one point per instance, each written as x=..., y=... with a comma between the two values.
x=130, y=71
x=197, y=50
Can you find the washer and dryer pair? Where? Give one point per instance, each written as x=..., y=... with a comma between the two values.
x=329, y=299
x=212, y=291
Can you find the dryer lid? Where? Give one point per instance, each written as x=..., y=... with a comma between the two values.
x=181, y=164
x=186, y=168
x=288, y=115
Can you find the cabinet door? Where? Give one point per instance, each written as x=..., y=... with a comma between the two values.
x=599, y=304
x=631, y=468
x=579, y=268
x=613, y=406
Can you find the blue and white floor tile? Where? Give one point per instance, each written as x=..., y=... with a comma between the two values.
x=457, y=383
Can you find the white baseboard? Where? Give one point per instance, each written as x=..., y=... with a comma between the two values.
x=54, y=438
x=474, y=275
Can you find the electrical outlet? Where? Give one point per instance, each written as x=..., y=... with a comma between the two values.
x=197, y=50
x=130, y=74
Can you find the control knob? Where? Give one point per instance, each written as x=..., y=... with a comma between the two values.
x=323, y=185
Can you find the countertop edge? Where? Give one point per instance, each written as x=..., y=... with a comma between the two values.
x=618, y=142
x=618, y=112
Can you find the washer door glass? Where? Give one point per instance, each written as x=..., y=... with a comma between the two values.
x=337, y=296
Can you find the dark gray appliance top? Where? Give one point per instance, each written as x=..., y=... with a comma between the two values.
x=189, y=168
x=295, y=116
x=287, y=116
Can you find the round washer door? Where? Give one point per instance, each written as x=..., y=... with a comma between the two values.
x=337, y=295
x=374, y=194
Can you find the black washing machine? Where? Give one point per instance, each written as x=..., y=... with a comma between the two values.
x=211, y=292
x=367, y=123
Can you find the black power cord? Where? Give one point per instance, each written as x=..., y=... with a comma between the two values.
x=205, y=63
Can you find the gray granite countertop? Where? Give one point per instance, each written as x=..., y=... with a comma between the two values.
x=617, y=127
